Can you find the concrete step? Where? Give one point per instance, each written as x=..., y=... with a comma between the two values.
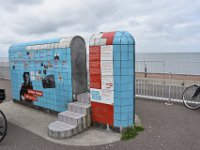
x=84, y=97
x=71, y=117
x=79, y=107
x=60, y=130
x=73, y=121
x=76, y=119
x=83, y=108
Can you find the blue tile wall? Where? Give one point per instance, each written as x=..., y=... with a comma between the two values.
x=123, y=57
x=53, y=98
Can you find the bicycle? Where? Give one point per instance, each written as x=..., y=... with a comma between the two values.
x=191, y=97
x=3, y=121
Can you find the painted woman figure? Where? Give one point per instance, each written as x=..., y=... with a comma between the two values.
x=25, y=86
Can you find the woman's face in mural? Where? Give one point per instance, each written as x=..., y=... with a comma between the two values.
x=26, y=78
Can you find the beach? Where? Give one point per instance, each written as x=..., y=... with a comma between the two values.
x=167, y=76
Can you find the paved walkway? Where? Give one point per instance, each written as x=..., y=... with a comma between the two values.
x=37, y=122
x=166, y=128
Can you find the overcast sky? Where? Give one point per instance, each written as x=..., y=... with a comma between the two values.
x=157, y=25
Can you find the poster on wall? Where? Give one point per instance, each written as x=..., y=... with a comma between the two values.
x=48, y=82
x=103, y=93
x=102, y=96
x=107, y=96
x=107, y=83
x=107, y=60
x=27, y=93
x=106, y=67
x=32, y=73
x=107, y=52
x=95, y=95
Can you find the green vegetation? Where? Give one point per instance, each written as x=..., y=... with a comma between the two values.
x=131, y=132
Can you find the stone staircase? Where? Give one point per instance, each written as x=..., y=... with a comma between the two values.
x=76, y=119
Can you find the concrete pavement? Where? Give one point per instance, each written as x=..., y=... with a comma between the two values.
x=37, y=122
x=166, y=128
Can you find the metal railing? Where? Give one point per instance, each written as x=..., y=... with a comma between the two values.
x=160, y=80
x=4, y=70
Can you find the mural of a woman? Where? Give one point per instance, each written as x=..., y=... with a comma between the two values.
x=25, y=86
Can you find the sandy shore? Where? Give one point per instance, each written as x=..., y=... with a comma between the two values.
x=182, y=77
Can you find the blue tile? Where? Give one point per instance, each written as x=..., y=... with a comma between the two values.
x=118, y=94
x=129, y=37
x=130, y=122
x=124, y=124
x=131, y=49
x=116, y=52
x=117, y=71
x=117, y=38
x=117, y=78
x=117, y=100
x=124, y=71
x=124, y=56
x=117, y=123
x=129, y=94
x=126, y=101
x=130, y=87
x=125, y=116
x=124, y=40
x=116, y=56
x=117, y=112
x=116, y=64
x=117, y=116
x=126, y=87
x=127, y=109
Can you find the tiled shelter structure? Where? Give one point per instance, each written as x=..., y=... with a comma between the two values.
x=111, y=64
x=48, y=73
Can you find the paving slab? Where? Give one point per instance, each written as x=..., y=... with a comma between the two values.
x=37, y=122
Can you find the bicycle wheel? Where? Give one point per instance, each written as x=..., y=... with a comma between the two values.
x=3, y=126
x=189, y=100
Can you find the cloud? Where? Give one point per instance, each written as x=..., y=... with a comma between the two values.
x=13, y=5
x=157, y=26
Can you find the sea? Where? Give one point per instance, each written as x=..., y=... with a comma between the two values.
x=175, y=63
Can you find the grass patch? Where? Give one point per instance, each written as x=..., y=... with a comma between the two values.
x=139, y=128
x=132, y=132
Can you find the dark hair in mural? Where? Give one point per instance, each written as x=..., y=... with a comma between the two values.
x=25, y=86
x=48, y=82
x=56, y=57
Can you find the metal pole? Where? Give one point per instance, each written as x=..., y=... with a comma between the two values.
x=169, y=99
x=145, y=70
x=1, y=71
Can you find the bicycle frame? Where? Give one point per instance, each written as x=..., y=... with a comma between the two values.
x=3, y=121
x=197, y=92
x=191, y=98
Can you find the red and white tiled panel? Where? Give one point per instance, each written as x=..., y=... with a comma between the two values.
x=101, y=77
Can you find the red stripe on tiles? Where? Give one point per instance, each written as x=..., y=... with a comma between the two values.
x=95, y=67
x=95, y=81
x=102, y=113
x=109, y=36
x=94, y=53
